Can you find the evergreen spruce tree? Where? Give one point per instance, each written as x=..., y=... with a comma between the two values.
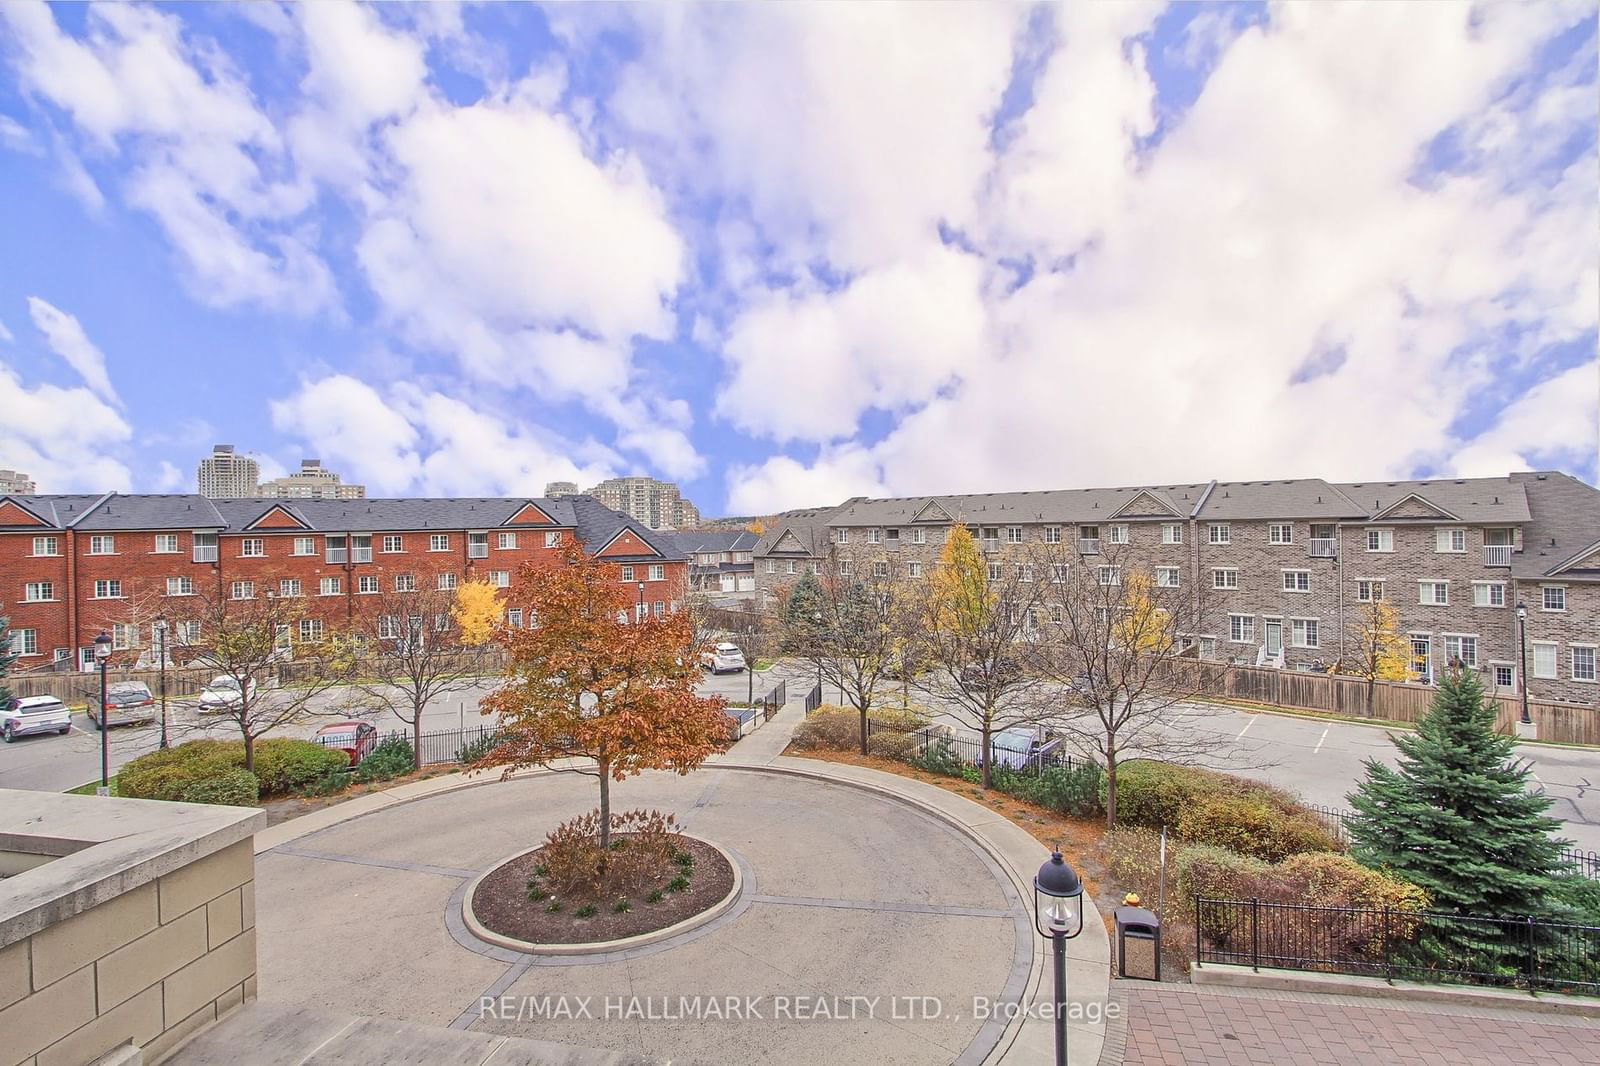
x=1457, y=819
x=801, y=624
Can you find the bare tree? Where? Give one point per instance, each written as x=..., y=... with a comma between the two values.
x=1118, y=639
x=413, y=648
x=980, y=622
x=250, y=633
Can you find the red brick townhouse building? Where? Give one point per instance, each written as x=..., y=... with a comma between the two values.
x=70, y=565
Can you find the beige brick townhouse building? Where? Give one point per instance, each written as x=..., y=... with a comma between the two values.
x=1285, y=566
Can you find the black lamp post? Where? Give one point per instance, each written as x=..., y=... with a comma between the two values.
x=641, y=602
x=102, y=655
x=1522, y=659
x=816, y=617
x=161, y=667
x=750, y=666
x=1058, y=915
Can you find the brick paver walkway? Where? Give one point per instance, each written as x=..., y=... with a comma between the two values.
x=1169, y=1025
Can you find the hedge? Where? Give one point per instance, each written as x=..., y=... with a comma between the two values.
x=282, y=765
x=839, y=728
x=1209, y=807
x=237, y=787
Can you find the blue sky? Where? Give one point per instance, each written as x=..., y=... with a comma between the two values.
x=790, y=253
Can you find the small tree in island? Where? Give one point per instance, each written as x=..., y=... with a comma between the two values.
x=587, y=682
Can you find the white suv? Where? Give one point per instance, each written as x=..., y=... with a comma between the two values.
x=34, y=714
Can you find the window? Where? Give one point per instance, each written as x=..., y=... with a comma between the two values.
x=310, y=629
x=1297, y=581
x=841, y=536
x=1172, y=533
x=102, y=545
x=1369, y=591
x=1219, y=533
x=1024, y=572
x=289, y=586
x=552, y=539
x=1544, y=660
x=1380, y=540
x=892, y=536
x=844, y=567
x=46, y=546
x=405, y=582
x=186, y=632
x=166, y=544
x=1118, y=534
x=913, y=569
x=1461, y=649
x=994, y=571
x=1505, y=676
x=1449, y=540
x=108, y=590
x=791, y=567
x=205, y=547
x=880, y=569
x=514, y=618
x=243, y=590
x=814, y=566
x=658, y=572
x=1433, y=593
x=361, y=548
x=507, y=541
x=253, y=547
x=335, y=550
x=1488, y=594
x=1013, y=534
x=25, y=642
x=388, y=627
x=38, y=591
x=1280, y=533
x=123, y=636
x=447, y=582
x=1058, y=573
x=1225, y=579
x=1555, y=597
x=1303, y=633
x=1056, y=613
x=989, y=533
x=772, y=566
x=439, y=542
x=1110, y=575
x=874, y=536
x=328, y=586
x=180, y=586
x=919, y=536
x=305, y=546
x=393, y=543
x=1242, y=628
x=1582, y=662
x=367, y=583
x=1168, y=577
x=1052, y=534
x=627, y=572
x=500, y=579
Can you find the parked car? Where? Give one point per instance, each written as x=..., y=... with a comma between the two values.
x=222, y=694
x=34, y=714
x=1020, y=746
x=723, y=659
x=353, y=737
x=127, y=703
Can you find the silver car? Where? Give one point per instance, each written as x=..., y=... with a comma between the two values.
x=34, y=714
x=723, y=659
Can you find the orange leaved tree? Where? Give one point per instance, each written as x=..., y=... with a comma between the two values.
x=587, y=682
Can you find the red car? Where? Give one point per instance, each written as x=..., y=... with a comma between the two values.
x=353, y=737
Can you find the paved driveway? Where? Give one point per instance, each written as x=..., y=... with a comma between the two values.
x=847, y=895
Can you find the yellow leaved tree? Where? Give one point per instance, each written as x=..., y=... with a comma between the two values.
x=476, y=611
x=1379, y=651
x=1142, y=624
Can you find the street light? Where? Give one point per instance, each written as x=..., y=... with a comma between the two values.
x=640, y=617
x=816, y=616
x=1522, y=658
x=161, y=667
x=102, y=655
x=1058, y=915
x=749, y=665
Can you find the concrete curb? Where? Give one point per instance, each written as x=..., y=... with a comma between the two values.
x=1218, y=975
x=598, y=947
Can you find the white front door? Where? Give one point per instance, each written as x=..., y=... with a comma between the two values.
x=1274, y=632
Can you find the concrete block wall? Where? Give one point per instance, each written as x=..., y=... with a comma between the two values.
x=146, y=968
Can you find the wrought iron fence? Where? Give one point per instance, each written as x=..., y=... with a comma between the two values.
x=969, y=749
x=452, y=745
x=814, y=697
x=1336, y=822
x=774, y=700
x=1425, y=946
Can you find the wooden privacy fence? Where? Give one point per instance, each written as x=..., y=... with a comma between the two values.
x=1391, y=701
x=79, y=686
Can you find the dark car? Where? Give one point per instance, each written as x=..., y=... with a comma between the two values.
x=127, y=703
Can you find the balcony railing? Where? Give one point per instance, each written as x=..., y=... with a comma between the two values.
x=477, y=551
x=1089, y=545
x=1497, y=555
x=205, y=553
x=1324, y=547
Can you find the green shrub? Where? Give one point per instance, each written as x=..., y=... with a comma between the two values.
x=1253, y=823
x=1155, y=794
x=473, y=750
x=168, y=774
x=235, y=787
x=1333, y=880
x=334, y=781
x=1066, y=790
x=391, y=758
x=588, y=910
x=939, y=757
x=678, y=884
x=284, y=764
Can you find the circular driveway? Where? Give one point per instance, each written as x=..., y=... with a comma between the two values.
x=867, y=930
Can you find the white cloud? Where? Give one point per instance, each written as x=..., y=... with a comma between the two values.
x=5, y=334
x=352, y=427
x=66, y=338
x=1553, y=424
x=782, y=483
x=69, y=439
x=169, y=478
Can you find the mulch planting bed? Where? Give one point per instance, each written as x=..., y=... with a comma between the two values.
x=501, y=902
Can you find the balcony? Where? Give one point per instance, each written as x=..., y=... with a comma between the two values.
x=477, y=551
x=1497, y=555
x=205, y=553
x=1088, y=545
x=989, y=544
x=1324, y=548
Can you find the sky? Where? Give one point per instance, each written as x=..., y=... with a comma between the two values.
x=789, y=253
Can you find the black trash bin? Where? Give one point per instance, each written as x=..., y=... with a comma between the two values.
x=1138, y=944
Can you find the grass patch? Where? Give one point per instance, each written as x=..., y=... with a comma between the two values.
x=89, y=789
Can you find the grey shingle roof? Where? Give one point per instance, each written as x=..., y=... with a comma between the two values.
x=999, y=508
x=1298, y=498
x=713, y=540
x=1477, y=499
x=810, y=527
x=56, y=510
x=1566, y=520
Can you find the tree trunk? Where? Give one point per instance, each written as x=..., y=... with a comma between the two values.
x=1111, y=787
x=1372, y=684
x=986, y=771
x=605, y=802
x=416, y=737
x=249, y=751
x=863, y=727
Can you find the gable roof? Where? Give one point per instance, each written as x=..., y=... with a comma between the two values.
x=14, y=512
x=1563, y=529
x=1147, y=503
x=1476, y=500
x=808, y=529
x=1414, y=502
x=278, y=516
